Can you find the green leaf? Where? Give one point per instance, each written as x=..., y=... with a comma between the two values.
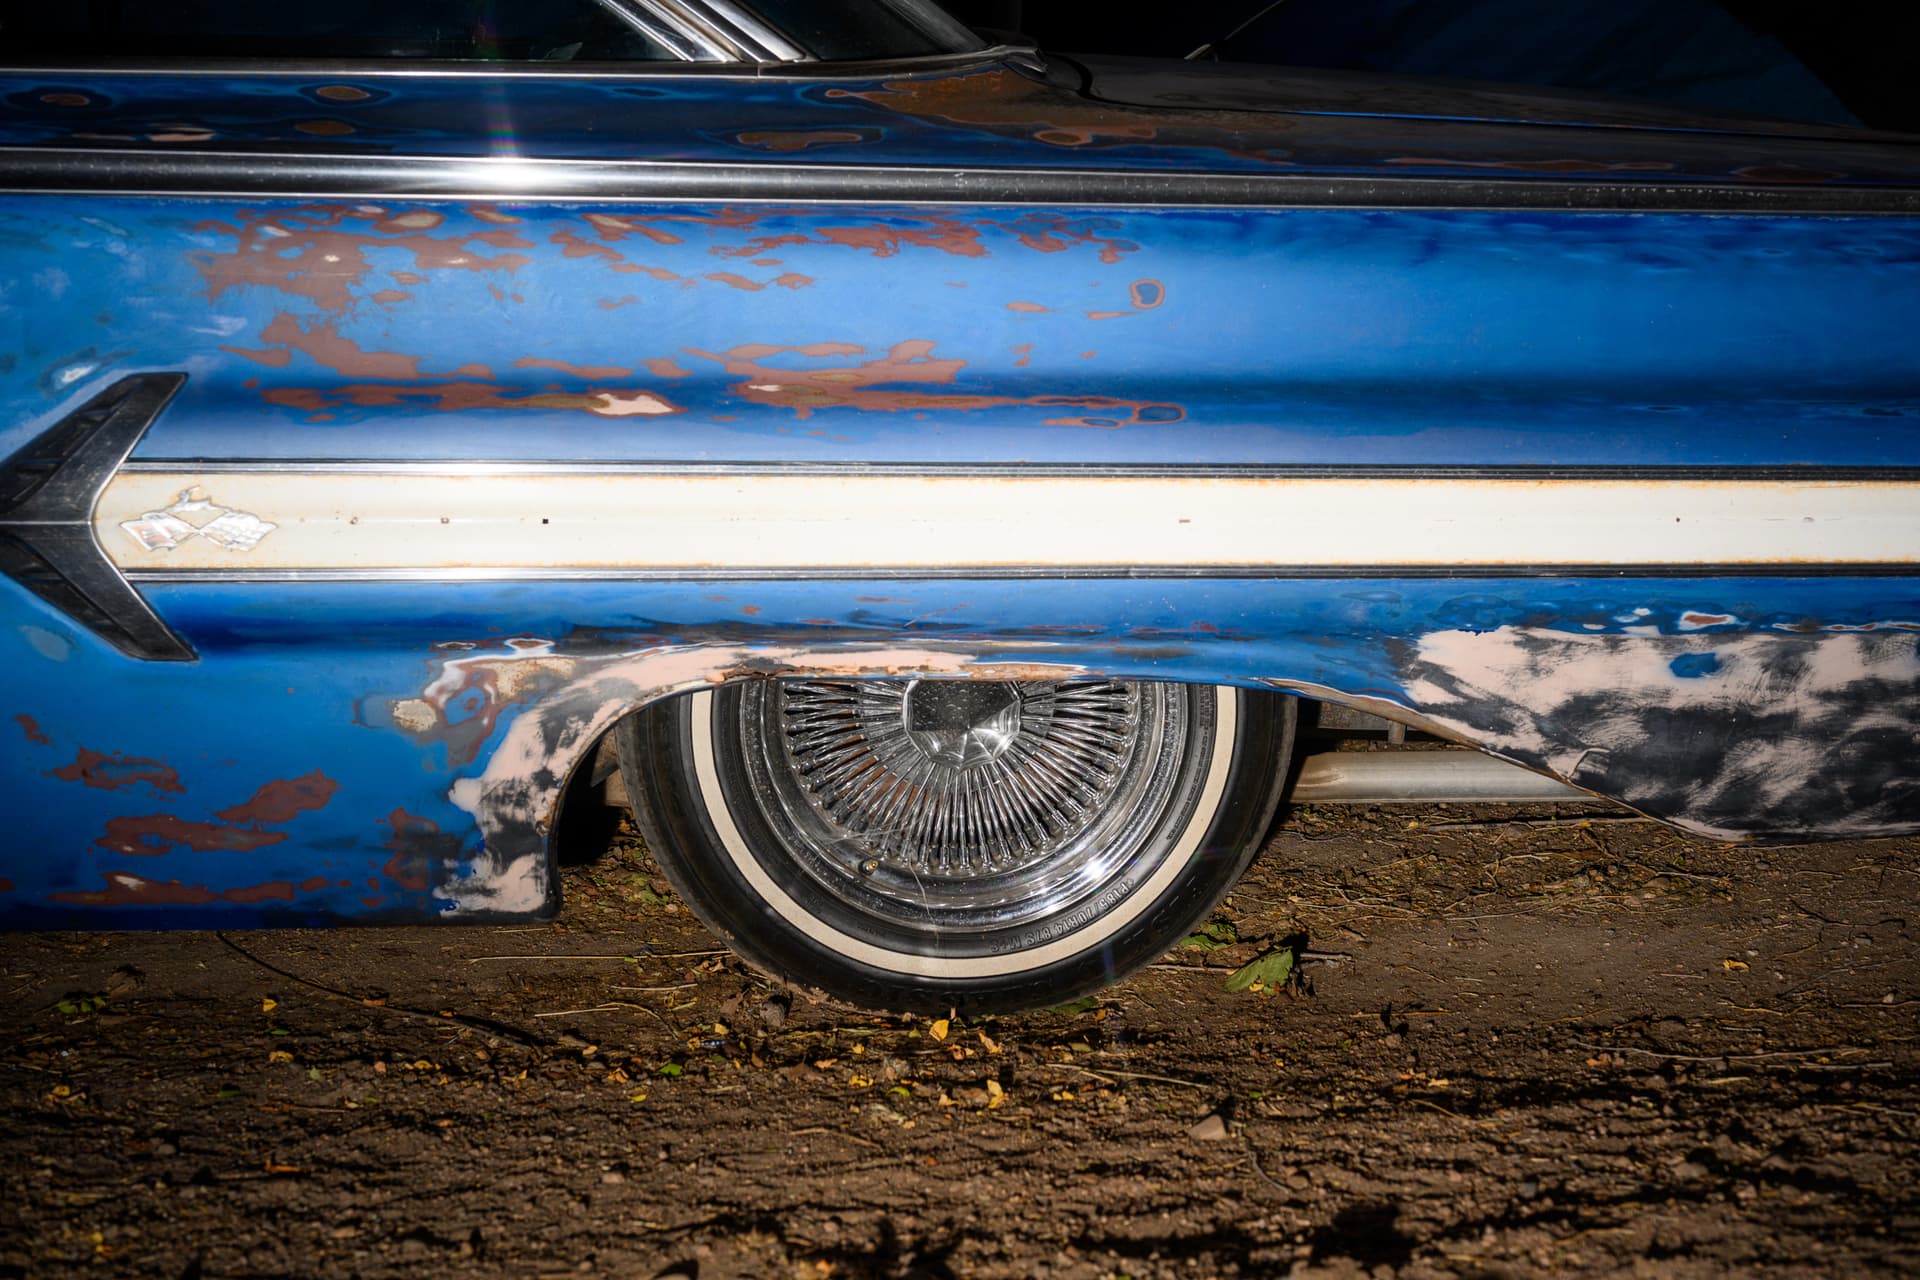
x=1213, y=935
x=1270, y=970
x=669, y=1069
x=1085, y=1004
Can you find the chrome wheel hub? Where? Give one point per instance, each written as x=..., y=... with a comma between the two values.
x=945, y=804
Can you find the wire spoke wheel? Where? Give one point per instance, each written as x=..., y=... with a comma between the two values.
x=947, y=804
x=933, y=842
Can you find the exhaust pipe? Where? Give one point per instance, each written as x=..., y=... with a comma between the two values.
x=1414, y=777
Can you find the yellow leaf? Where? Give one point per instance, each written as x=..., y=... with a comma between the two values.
x=279, y=1055
x=1732, y=965
x=859, y=1082
x=826, y=1064
x=995, y=1094
x=638, y=1097
x=988, y=1043
x=268, y=1004
x=939, y=1029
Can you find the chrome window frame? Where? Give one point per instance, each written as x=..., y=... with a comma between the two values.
x=703, y=34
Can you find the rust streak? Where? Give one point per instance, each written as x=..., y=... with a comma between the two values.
x=113, y=772
x=321, y=342
x=875, y=385
x=31, y=727
x=577, y=370
x=127, y=890
x=788, y=140
x=155, y=833
x=283, y=800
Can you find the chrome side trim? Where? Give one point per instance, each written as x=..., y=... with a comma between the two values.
x=311, y=68
x=48, y=490
x=1044, y=470
x=258, y=174
x=1046, y=573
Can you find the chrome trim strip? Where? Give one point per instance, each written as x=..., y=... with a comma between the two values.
x=656, y=21
x=1046, y=470
x=770, y=44
x=1048, y=573
x=257, y=174
x=310, y=68
x=281, y=520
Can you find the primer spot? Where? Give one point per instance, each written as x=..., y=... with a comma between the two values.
x=50, y=645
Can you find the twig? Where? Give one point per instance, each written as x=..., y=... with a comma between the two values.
x=1532, y=823
x=1722, y=1057
x=678, y=986
x=567, y=1013
x=1109, y=1075
x=365, y=1002
x=478, y=959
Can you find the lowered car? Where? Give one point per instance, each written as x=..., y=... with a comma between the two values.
x=931, y=479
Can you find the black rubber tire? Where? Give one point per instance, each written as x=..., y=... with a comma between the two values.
x=677, y=816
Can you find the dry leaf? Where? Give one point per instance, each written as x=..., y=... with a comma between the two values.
x=988, y=1043
x=268, y=1004
x=1732, y=965
x=279, y=1055
x=939, y=1029
x=995, y=1094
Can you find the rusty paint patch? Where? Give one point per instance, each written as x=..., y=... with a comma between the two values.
x=790, y=140
x=1056, y=233
x=341, y=93
x=875, y=385
x=66, y=99
x=31, y=727
x=320, y=341
x=116, y=771
x=1029, y=308
x=664, y=368
x=319, y=251
x=127, y=890
x=283, y=800
x=454, y=397
x=1002, y=99
x=325, y=128
x=577, y=370
x=156, y=834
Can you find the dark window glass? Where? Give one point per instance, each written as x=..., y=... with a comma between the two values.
x=465, y=30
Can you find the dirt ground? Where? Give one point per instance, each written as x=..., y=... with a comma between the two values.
x=1519, y=1040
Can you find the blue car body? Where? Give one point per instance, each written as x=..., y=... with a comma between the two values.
x=376, y=440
